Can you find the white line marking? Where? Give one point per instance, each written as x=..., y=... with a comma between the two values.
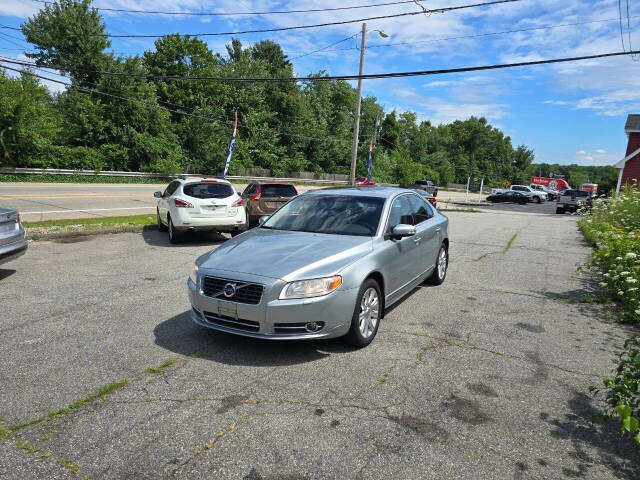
x=86, y=210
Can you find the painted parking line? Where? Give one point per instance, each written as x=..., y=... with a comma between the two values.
x=87, y=210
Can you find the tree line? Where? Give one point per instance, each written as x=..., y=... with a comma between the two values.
x=111, y=122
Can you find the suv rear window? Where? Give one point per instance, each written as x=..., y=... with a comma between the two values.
x=208, y=190
x=274, y=190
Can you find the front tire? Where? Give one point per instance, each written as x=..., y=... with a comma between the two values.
x=366, y=315
x=536, y=199
x=442, y=264
x=174, y=236
x=559, y=210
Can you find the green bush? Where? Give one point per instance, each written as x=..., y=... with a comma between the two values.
x=613, y=228
x=623, y=391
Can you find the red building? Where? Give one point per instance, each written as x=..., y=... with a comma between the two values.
x=630, y=165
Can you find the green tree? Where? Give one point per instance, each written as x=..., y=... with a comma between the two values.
x=69, y=34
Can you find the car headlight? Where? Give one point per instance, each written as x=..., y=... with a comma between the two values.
x=316, y=287
x=193, y=276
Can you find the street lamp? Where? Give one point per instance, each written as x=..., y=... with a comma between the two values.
x=356, y=128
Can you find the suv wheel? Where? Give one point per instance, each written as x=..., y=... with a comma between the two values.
x=161, y=226
x=174, y=236
x=536, y=199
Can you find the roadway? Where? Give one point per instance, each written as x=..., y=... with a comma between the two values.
x=49, y=201
x=485, y=377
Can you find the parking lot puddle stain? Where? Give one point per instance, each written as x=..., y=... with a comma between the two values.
x=482, y=389
x=530, y=328
x=429, y=431
x=231, y=402
x=465, y=410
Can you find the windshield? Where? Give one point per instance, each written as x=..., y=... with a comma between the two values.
x=336, y=214
x=208, y=190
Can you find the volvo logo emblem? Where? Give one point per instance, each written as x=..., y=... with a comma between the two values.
x=229, y=290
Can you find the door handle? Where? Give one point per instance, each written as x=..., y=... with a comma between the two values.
x=417, y=240
x=437, y=229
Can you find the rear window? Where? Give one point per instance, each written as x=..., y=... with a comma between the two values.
x=273, y=190
x=208, y=190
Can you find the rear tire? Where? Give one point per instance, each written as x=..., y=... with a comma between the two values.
x=442, y=264
x=161, y=226
x=174, y=236
x=366, y=315
x=559, y=210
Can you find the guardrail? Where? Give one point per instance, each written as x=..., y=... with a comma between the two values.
x=114, y=173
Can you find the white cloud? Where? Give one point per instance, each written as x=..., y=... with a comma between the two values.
x=599, y=157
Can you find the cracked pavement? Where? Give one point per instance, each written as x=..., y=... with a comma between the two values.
x=486, y=376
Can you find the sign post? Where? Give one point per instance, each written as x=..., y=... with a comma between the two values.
x=480, y=191
x=466, y=196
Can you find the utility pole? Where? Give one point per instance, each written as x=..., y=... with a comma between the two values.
x=356, y=128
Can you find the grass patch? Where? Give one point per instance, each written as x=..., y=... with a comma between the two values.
x=130, y=223
x=100, y=394
x=68, y=464
x=509, y=243
x=162, y=366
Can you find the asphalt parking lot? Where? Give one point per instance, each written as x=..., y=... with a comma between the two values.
x=483, y=377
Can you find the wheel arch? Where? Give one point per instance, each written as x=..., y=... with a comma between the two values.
x=379, y=278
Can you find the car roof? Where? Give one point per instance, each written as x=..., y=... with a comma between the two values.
x=364, y=191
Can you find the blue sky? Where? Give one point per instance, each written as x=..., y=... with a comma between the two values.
x=568, y=113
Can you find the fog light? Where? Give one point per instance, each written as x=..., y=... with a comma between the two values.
x=314, y=326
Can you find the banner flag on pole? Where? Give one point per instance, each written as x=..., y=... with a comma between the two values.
x=232, y=144
x=370, y=161
x=373, y=140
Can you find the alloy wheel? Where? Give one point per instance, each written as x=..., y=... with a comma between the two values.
x=442, y=263
x=369, y=310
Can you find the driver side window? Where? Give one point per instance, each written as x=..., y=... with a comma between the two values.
x=400, y=213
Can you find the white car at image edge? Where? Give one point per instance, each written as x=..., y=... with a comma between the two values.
x=200, y=204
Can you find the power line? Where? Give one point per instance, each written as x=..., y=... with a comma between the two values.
x=326, y=47
x=222, y=14
x=620, y=12
x=316, y=25
x=370, y=76
x=477, y=35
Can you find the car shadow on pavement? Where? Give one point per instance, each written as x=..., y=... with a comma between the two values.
x=181, y=335
x=153, y=237
x=588, y=433
x=6, y=273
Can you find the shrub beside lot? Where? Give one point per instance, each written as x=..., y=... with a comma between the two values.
x=613, y=228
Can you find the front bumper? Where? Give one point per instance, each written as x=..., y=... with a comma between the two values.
x=265, y=320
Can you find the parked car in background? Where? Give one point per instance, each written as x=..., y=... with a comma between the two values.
x=363, y=182
x=200, y=204
x=327, y=264
x=427, y=196
x=13, y=239
x=426, y=185
x=264, y=198
x=551, y=194
x=535, y=195
x=592, y=188
x=510, y=196
x=572, y=200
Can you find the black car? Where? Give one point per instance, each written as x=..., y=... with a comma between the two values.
x=510, y=196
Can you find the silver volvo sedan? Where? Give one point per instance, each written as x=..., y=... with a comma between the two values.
x=325, y=265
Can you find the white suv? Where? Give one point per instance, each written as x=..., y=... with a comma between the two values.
x=193, y=203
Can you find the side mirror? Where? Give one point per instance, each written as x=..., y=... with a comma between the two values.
x=262, y=219
x=239, y=192
x=157, y=194
x=403, y=230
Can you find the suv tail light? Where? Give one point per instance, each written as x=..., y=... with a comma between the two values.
x=256, y=197
x=181, y=203
x=237, y=203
